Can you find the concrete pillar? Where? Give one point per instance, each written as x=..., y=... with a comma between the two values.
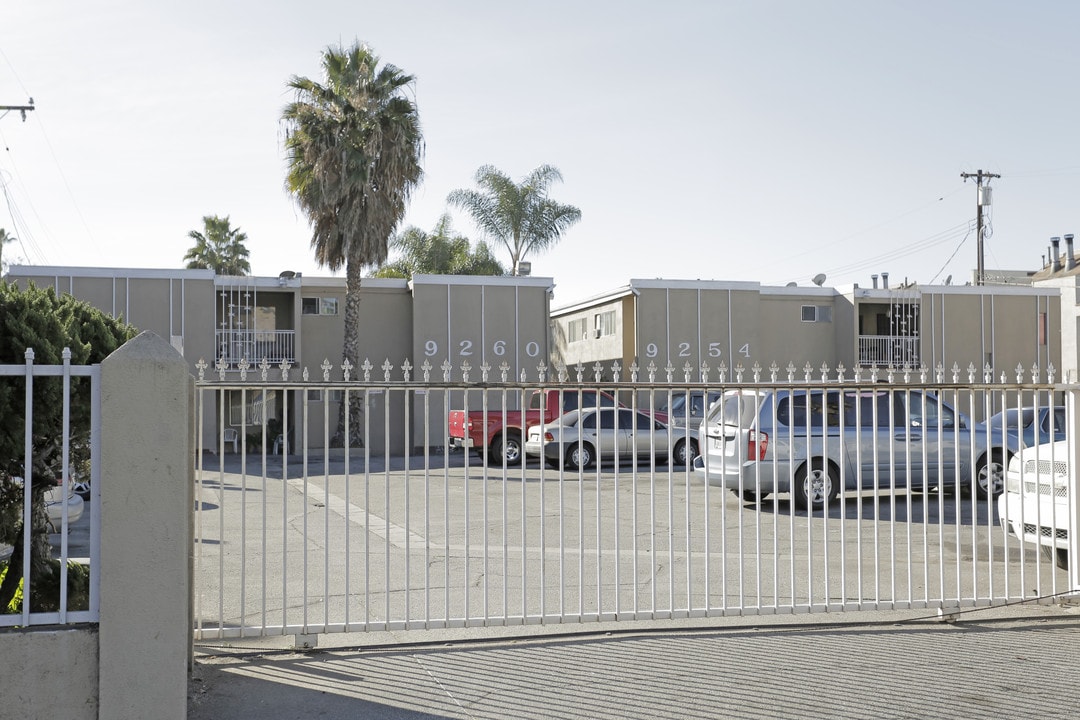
x=146, y=533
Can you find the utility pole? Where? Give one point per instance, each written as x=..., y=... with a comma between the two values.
x=983, y=198
x=23, y=109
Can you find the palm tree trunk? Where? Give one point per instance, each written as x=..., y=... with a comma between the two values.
x=351, y=352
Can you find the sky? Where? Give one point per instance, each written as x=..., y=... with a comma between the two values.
x=752, y=140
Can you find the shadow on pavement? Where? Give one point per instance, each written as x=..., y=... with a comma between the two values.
x=981, y=667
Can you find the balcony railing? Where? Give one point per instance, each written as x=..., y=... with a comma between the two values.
x=888, y=350
x=255, y=345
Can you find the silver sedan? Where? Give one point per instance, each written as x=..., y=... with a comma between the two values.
x=582, y=438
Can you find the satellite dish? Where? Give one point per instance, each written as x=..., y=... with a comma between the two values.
x=948, y=280
x=818, y=279
x=792, y=284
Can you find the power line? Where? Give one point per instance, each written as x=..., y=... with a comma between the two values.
x=944, y=236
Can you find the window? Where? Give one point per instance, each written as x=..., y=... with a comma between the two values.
x=628, y=420
x=578, y=330
x=823, y=411
x=319, y=306
x=817, y=313
x=316, y=395
x=924, y=412
x=871, y=409
x=1058, y=420
x=605, y=323
x=256, y=409
x=588, y=400
x=607, y=419
x=737, y=409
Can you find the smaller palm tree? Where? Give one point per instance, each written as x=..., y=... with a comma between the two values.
x=441, y=252
x=4, y=239
x=219, y=247
x=519, y=215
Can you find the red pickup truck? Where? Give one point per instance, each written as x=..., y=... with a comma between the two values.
x=489, y=435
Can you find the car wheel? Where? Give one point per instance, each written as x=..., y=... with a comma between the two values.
x=990, y=477
x=1058, y=556
x=579, y=457
x=817, y=483
x=685, y=452
x=508, y=446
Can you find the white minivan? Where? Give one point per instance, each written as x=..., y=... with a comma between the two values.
x=812, y=442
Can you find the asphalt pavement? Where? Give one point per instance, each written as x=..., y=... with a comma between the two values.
x=1004, y=662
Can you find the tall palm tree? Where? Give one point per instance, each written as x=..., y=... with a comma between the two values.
x=519, y=215
x=219, y=247
x=440, y=252
x=354, y=151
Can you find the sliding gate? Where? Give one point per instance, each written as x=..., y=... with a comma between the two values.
x=388, y=527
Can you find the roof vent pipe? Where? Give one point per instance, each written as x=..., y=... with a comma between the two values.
x=1055, y=244
x=885, y=280
x=1070, y=258
x=874, y=279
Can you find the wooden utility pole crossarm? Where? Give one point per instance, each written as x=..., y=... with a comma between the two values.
x=22, y=109
x=982, y=199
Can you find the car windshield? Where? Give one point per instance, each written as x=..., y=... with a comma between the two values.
x=678, y=402
x=1058, y=419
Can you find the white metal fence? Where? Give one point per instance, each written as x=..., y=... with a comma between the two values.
x=75, y=525
x=323, y=539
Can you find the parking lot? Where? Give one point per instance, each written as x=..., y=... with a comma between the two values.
x=442, y=541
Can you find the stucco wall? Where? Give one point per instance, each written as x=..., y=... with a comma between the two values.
x=54, y=673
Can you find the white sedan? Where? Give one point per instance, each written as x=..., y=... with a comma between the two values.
x=582, y=438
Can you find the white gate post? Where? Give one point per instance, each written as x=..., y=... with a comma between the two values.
x=1072, y=434
x=146, y=540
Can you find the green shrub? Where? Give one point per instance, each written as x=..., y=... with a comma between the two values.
x=46, y=592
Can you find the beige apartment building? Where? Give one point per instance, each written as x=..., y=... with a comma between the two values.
x=507, y=323
x=684, y=323
x=300, y=321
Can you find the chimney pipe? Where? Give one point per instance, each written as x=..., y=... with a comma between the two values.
x=874, y=279
x=1055, y=244
x=1070, y=259
x=885, y=280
